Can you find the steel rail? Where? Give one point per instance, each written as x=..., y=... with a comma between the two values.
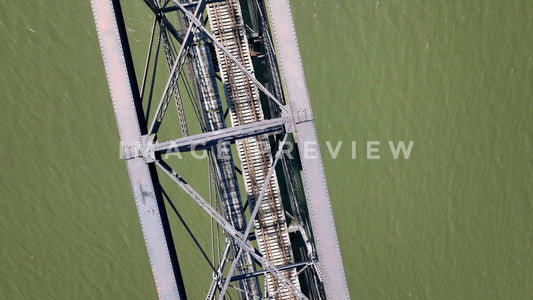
x=294, y=290
x=250, y=76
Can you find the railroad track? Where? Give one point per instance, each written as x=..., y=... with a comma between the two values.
x=254, y=153
x=225, y=168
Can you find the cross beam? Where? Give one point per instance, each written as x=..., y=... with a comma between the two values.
x=205, y=140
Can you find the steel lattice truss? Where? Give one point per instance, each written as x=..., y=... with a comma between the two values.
x=212, y=51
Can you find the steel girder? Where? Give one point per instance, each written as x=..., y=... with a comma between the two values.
x=141, y=161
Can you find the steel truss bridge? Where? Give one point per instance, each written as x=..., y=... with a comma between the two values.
x=233, y=75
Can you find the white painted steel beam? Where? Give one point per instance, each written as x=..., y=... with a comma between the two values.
x=130, y=121
x=316, y=192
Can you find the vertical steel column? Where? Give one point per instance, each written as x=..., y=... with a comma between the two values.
x=316, y=192
x=131, y=125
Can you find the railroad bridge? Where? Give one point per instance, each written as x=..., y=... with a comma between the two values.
x=234, y=81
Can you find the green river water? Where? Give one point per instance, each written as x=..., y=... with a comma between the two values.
x=454, y=221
